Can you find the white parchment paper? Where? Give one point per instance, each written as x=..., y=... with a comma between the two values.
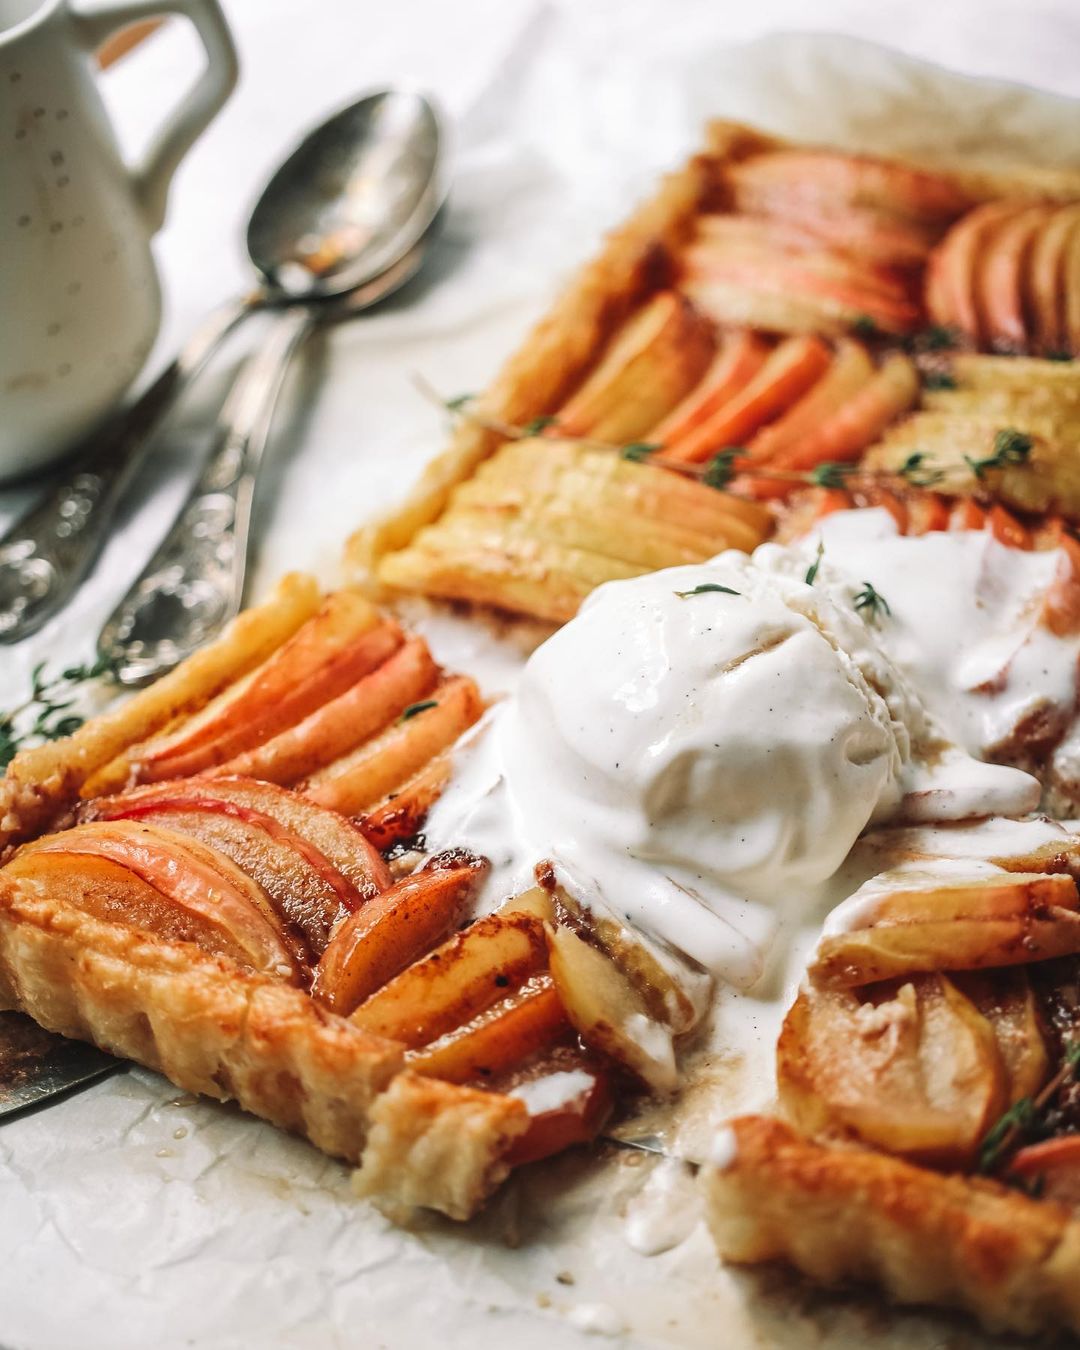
x=131, y=1216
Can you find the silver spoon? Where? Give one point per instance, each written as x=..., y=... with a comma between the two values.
x=356, y=194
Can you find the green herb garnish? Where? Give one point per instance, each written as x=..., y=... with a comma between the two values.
x=638, y=451
x=812, y=570
x=918, y=472
x=938, y=379
x=831, y=474
x=537, y=425
x=706, y=587
x=49, y=701
x=415, y=708
x=720, y=469
x=459, y=403
x=1010, y=447
x=871, y=602
x=864, y=326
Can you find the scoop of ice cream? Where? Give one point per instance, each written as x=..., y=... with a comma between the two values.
x=702, y=746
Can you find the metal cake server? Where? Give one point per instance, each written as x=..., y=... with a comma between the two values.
x=36, y=1065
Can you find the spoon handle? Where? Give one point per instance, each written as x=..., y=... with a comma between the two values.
x=45, y=555
x=194, y=583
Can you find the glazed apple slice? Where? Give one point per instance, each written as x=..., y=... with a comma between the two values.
x=366, y=776
x=348, y=867
x=657, y=357
x=462, y=977
x=345, y=722
x=342, y=643
x=211, y=901
x=739, y=359
x=1046, y=278
x=715, y=253
x=1002, y=280
x=1070, y=295
x=791, y=369
x=402, y=814
x=851, y=369
x=951, y=288
x=858, y=181
x=523, y=1023
x=569, y=1097
x=398, y=927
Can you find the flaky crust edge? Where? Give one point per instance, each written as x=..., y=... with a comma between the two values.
x=848, y=1214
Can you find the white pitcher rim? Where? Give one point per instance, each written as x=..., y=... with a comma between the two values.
x=18, y=30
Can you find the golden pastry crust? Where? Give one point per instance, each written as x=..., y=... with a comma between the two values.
x=840, y=1213
x=207, y=1025
x=438, y=1146
x=42, y=781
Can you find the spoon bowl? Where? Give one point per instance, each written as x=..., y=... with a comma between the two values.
x=357, y=192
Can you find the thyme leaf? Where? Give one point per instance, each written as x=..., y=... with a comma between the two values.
x=45, y=715
x=458, y=403
x=720, y=468
x=831, y=474
x=812, y=570
x=537, y=425
x=938, y=379
x=1010, y=447
x=414, y=709
x=638, y=451
x=918, y=472
x=870, y=602
x=705, y=588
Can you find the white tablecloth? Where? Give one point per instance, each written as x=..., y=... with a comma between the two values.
x=135, y=1217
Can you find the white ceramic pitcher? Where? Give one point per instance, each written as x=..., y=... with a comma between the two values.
x=79, y=298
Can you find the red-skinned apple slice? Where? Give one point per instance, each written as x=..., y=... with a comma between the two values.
x=569, y=1097
x=740, y=358
x=340, y=845
x=216, y=895
x=787, y=374
x=341, y=644
x=395, y=929
x=1001, y=280
x=1046, y=278
x=832, y=178
x=402, y=814
x=346, y=721
x=715, y=253
x=363, y=778
x=951, y=271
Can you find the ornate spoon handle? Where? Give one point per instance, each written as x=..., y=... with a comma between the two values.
x=194, y=583
x=45, y=555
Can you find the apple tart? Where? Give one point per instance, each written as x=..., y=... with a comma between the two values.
x=928, y=1075
x=770, y=314
x=221, y=879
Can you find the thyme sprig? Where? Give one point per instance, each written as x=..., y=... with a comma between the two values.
x=704, y=589
x=415, y=709
x=812, y=570
x=870, y=603
x=1010, y=447
x=1026, y=1118
x=46, y=714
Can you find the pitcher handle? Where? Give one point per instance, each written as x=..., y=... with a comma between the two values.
x=151, y=178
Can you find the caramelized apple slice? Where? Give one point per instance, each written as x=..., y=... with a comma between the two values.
x=364, y=777
x=851, y=369
x=344, y=641
x=739, y=359
x=569, y=1097
x=1070, y=293
x=1001, y=280
x=524, y=1023
x=1005, y=998
x=914, y=1070
x=395, y=929
x=345, y=722
x=795, y=365
x=216, y=898
x=1046, y=278
x=910, y=920
x=608, y=1012
x=463, y=976
x=402, y=814
x=649, y=366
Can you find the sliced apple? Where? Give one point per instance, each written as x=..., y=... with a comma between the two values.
x=339, y=726
x=914, y=920
x=402, y=814
x=791, y=369
x=524, y=1023
x=1002, y=280
x=1006, y=529
x=746, y=304
x=951, y=287
x=914, y=1070
x=851, y=369
x=462, y=977
x=210, y=900
x=859, y=181
x=1005, y=998
x=739, y=359
x=569, y=1097
x=648, y=367
x=344, y=641
x=1046, y=277
x=927, y=512
x=395, y=929
x=608, y=1012
x=1070, y=294
x=424, y=729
